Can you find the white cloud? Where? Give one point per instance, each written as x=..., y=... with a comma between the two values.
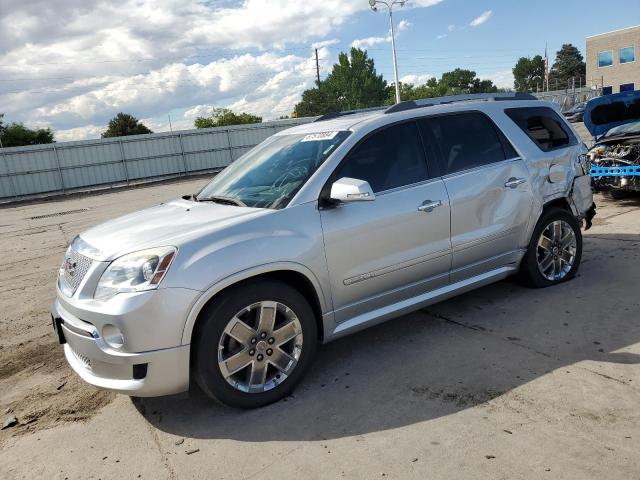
x=404, y=25
x=451, y=28
x=325, y=43
x=369, y=41
x=169, y=87
x=501, y=78
x=481, y=19
x=416, y=79
x=423, y=3
x=440, y=37
x=80, y=133
x=73, y=64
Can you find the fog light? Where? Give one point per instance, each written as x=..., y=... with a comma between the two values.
x=113, y=336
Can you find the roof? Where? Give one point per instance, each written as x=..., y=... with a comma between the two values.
x=348, y=120
x=612, y=31
x=335, y=124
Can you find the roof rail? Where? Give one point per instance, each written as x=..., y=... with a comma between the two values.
x=486, y=97
x=330, y=115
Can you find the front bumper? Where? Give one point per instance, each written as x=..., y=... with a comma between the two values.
x=145, y=374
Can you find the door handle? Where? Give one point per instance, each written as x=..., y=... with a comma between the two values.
x=513, y=182
x=428, y=205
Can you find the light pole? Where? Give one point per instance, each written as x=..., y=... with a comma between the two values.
x=389, y=4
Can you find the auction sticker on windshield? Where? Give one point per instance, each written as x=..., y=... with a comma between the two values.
x=318, y=137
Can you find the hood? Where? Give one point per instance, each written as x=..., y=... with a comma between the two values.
x=604, y=113
x=167, y=224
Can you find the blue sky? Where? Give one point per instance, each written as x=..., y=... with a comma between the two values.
x=72, y=64
x=513, y=30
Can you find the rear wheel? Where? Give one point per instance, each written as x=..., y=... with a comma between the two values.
x=555, y=249
x=255, y=344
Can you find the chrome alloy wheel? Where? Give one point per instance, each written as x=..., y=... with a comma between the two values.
x=260, y=347
x=556, y=252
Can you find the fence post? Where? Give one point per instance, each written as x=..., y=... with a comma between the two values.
x=124, y=160
x=9, y=176
x=55, y=153
x=184, y=160
x=230, y=147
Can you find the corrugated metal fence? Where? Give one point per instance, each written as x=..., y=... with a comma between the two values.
x=91, y=164
x=568, y=98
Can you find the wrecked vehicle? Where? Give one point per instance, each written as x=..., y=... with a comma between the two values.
x=575, y=113
x=614, y=122
x=318, y=232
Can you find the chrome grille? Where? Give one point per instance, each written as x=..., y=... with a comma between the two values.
x=75, y=268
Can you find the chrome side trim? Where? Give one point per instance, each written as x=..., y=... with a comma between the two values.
x=394, y=268
x=405, y=306
x=486, y=239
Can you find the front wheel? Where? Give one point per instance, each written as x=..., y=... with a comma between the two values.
x=555, y=249
x=255, y=343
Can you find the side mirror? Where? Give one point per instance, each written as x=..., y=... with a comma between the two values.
x=348, y=190
x=557, y=174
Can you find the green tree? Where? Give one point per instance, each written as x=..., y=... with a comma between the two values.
x=223, y=117
x=569, y=64
x=17, y=135
x=408, y=91
x=455, y=82
x=461, y=81
x=528, y=73
x=353, y=83
x=317, y=101
x=433, y=88
x=123, y=125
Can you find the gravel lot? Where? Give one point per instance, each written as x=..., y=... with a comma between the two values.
x=503, y=382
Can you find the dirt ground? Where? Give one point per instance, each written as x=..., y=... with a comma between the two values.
x=503, y=382
x=36, y=385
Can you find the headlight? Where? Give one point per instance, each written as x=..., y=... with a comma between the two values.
x=135, y=272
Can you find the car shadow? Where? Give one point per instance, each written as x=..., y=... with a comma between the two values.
x=443, y=359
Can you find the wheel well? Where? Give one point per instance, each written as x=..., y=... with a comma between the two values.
x=294, y=279
x=557, y=203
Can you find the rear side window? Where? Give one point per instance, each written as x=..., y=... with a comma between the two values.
x=465, y=140
x=389, y=158
x=542, y=125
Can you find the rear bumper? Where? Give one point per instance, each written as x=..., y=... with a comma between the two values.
x=144, y=374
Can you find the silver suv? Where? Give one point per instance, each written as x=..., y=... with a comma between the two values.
x=322, y=230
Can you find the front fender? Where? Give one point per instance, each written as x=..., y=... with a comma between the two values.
x=245, y=275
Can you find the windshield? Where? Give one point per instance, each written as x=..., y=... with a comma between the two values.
x=632, y=128
x=271, y=173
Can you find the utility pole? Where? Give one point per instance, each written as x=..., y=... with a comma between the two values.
x=317, y=68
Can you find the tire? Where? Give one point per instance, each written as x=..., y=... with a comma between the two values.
x=230, y=335
x=535, y=269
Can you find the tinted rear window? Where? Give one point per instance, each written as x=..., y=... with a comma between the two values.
x=542, y=125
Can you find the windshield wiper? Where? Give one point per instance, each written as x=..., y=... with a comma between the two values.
x=222, y=200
